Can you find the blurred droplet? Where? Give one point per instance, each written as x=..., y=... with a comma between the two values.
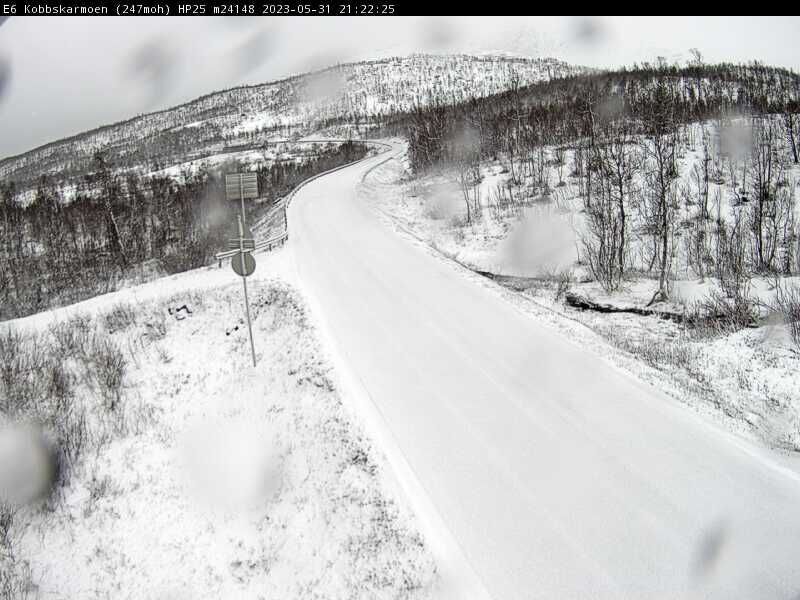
x=252, y=52
x=26, y=465
x=437, y=35
x=318, y=61
x=709, y=550
x=735, y=139
x=5, y=75
x=542, y=242
x=611, y=107
x=152, y=65
x=527, y=40
x=323, y=86
x=234, y=465
x=465, y=141
x=588, y=30
x=442, y=202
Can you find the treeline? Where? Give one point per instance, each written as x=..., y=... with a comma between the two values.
x=620, y=137
x=122, y=225
x=566, y=110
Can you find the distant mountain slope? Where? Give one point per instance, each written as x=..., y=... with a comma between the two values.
x=356, y=95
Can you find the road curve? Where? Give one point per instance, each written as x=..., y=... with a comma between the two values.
x=557, y=475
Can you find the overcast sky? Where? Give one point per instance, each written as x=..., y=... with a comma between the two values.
x=60, y=76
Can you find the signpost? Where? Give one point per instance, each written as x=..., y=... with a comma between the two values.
x=244, y=265
x=241, y=186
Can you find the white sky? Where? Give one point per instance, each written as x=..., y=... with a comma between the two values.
x=64, y=75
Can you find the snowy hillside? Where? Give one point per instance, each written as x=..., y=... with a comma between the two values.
x=187, y=473
x=528, y=230
x=356, y=94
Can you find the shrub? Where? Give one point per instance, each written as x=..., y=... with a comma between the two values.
x=155, y=327
x=787, y=304
x=72, y=337
x=109, y=366
x=6, y=522
x=10, y=346
x=21, y=363
x=655, y=352
x=16, y=582
x=119, y=318
x=57, y=387
x=564, y=281
x=718, y=313
x=72, y=436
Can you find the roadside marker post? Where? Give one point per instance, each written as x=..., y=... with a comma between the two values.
x=241, y=186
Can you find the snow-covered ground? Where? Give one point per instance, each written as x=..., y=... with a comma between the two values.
x=556, y=473
x=747, y=379
x=228, y=481
x=283, y=151
x=235, y=482
x=538, y=238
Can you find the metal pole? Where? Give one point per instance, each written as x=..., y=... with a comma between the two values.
x=244, y=283
x=241, y=197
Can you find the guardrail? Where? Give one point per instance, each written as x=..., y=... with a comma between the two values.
x=281, y=239
x=268, y=244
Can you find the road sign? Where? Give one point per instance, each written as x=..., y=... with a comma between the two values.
x=243, y=264
x=241, y=186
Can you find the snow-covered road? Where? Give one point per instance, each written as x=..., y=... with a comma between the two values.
x=557, y=475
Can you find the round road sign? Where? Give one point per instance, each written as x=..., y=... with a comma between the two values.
x=243, y=264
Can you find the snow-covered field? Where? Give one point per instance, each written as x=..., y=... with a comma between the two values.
x=748, y=379
x=226, y=481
